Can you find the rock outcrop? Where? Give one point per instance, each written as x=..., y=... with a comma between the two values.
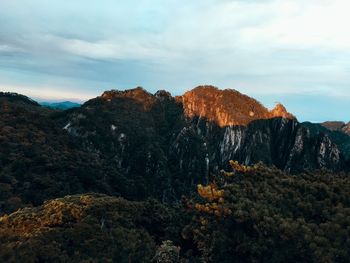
x=280, y=111
x=227, y=107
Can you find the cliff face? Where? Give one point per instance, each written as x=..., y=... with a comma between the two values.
x=283, y=143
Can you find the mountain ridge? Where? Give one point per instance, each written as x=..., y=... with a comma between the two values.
x=138, y=145
x=225, y=107
x=63, y=105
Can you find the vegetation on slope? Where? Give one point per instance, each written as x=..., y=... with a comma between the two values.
x=40, y=161
x=260, y=214
x=87, y=228
x=250, y=214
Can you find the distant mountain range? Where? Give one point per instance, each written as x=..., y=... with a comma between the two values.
x=65, y=105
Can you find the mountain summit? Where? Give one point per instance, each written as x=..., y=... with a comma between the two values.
x=280, y=111
x=224, y=107
x=138, y=95
x=227, y=107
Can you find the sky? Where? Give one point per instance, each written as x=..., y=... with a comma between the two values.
x=296, y=52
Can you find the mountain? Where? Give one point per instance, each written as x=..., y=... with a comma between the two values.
x=160, y=135
x=227, y=107
x=39, y=160
x=65, y=105
x=337, y=126
x=137, y=145
x=205, y=125
x=116, y=180
x=12, y=97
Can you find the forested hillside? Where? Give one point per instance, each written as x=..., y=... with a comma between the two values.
x=247, y=214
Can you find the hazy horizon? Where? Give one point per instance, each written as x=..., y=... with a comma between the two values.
x=293, y=52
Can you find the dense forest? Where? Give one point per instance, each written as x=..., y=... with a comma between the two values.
x=247, y=214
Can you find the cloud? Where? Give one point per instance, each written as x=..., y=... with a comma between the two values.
x=7, y=49
x=304, y=24
x=122, y=48
x=271, y=47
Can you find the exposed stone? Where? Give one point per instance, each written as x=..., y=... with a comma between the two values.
x=227, y=107
x=281, y=111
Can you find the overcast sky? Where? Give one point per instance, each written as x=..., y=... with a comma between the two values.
x=295, y=52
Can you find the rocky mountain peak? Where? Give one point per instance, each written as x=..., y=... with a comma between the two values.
x=227, y=107
x=137, y=94
x=163, y=95
x=281, y=111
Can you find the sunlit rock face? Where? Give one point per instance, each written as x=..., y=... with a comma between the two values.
x=280, y=111
x=227, y=107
